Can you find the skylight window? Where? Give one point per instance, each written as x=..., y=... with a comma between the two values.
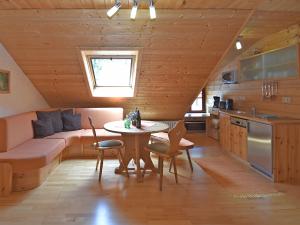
x=111, y=73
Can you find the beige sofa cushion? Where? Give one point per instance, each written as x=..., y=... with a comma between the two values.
x=16, y=130
x=100, y=116
x=70, y=137
x=33, y=154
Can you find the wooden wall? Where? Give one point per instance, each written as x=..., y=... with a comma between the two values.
x=179, y=51
x=247, y=94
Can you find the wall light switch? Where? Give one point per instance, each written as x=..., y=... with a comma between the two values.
x=286, y=100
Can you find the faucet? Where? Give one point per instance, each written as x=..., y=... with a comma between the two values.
x=253, y=111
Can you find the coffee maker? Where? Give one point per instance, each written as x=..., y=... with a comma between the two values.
x=216, y=102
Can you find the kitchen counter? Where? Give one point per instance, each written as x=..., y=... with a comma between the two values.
x=188, y=115
x=248, y=116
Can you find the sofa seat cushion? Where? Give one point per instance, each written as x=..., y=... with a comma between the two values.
x=162, y=136
x=87, y=136
x=33, y=154
x=70, y=137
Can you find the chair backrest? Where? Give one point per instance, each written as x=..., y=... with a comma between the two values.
x=94, y=130
x=175, y=135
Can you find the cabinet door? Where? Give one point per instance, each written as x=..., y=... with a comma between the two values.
x=243, y=143
x=238, y=136
x=235, y=139
x=225, y=131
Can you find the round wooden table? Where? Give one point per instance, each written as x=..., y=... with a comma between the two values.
x=135, y=140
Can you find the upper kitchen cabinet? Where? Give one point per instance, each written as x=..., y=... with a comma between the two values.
x=281, y=63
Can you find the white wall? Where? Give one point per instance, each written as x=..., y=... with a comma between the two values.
x=23, y=96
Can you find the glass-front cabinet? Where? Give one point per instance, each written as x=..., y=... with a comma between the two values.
x=281, y=63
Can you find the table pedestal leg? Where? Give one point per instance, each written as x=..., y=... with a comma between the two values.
x=137, y=158
x=134, y=149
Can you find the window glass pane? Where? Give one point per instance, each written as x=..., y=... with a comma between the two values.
x=197, y=105
x=112, y=72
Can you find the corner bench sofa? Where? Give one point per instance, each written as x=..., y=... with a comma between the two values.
x=25, y=162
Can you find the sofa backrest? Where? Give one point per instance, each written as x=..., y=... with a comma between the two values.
x=15, y=130
x=100, y=116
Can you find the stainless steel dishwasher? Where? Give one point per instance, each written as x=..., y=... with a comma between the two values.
x=260, y=152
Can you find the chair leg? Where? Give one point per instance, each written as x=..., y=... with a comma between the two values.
x=98, y=159
x=189, y=158
x=161, y=172
x=175, y=169
x=158, y=169
x=144, y=172
x=101, y=164
x=121, y=158
x=171, y=164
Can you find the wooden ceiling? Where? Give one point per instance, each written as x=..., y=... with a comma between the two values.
x=103, y=4
x=265, y=5
x=180, y=49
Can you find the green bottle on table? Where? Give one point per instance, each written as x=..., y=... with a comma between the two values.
x=127, y=122
x=138, y=120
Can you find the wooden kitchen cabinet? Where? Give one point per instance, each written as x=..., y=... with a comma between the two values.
x=285, y=142
x=238, y=141
x=233, y=138
x=224, y=131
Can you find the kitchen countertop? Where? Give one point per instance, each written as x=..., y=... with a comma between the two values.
x=248, y=116
x=187, y=115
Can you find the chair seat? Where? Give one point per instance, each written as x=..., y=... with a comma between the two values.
x=158, y=147
x=110, y=143
x=162, y=136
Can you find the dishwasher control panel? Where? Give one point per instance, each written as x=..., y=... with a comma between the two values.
x=238, y=121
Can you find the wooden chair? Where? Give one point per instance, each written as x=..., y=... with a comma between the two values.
x=101, y=146
x=168, y=150
x=184, y=145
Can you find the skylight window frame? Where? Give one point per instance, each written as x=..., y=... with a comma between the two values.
x=115, y=91
x=132, y=67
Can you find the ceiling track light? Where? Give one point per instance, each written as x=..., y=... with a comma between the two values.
x=152, y=10
x=134, y=10
x=238, y=43
x=113, y=10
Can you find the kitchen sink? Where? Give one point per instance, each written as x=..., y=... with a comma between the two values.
x=240, y=112
x=267, y=116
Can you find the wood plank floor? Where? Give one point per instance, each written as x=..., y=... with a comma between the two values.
x=72, y=195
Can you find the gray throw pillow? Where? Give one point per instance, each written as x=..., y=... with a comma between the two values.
x=54, y=116
x=72, y=122
x=42, y=128
x=67, y=111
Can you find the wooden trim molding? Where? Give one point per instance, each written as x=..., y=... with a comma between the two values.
x=5, y=179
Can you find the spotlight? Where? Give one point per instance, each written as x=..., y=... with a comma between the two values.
x=134, y=10
x=238, y=44
x=152, y=10
x=114, y=9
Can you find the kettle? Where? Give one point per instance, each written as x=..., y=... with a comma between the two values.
x=229, y=104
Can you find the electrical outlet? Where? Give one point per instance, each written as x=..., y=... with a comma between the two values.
x=241, y=98
x=286, y=100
